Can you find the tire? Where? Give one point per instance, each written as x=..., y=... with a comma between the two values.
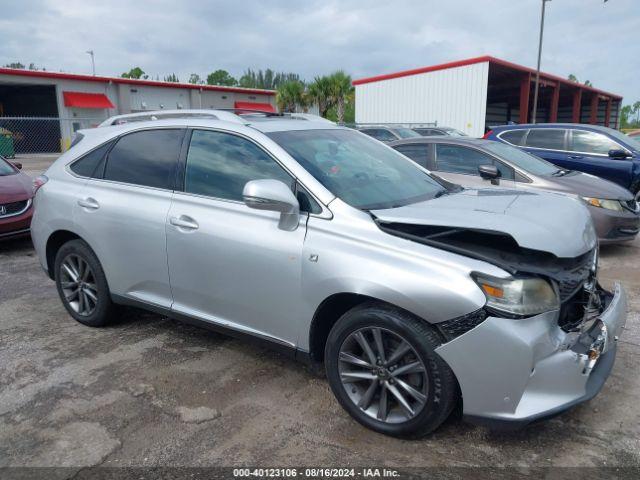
x=427, y=373
x=96, y=299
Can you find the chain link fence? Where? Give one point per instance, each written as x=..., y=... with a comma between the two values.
x=32, y=135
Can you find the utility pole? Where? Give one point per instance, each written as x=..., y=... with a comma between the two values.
x=537, y=87
x=93, y=63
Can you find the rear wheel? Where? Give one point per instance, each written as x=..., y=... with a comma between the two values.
x=383, y=369
x=82, y=285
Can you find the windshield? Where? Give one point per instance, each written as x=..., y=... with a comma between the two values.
x=520, y=158
x=454, y=133
x=5, y=168
x=406, y=133
x=359, y=170
x=632, y=142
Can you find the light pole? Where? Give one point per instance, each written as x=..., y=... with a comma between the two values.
x=93, y=63
x=535, y=93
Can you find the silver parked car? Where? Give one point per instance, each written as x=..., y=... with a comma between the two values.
x=388, y=134
x=475, y=163
x=333, y=247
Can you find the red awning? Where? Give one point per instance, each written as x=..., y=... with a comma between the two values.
x=86, y=100
x=262, y=107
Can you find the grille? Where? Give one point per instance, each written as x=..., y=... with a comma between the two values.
x=7, y=209
x=573, y=280
x=457, y=326
x=631, y=205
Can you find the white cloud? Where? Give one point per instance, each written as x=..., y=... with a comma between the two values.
x=588, y=38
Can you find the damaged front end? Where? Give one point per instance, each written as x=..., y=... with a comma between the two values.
x=515, y=369
x=574, y=279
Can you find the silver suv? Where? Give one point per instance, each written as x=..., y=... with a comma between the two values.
x=416, y=295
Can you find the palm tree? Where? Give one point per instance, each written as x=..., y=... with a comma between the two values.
x=320, y=92
x=341, y=92
x=289, y=95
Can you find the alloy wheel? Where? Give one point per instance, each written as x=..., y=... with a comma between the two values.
x=383, y=375
x=78, y=285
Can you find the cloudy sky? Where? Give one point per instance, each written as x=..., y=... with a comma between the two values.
x=594, y=40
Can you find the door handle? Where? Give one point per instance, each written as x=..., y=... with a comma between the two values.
x=185, y=222
x=89, y=203
x=576, y=157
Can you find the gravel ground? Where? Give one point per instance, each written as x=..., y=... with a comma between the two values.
x=149, y=391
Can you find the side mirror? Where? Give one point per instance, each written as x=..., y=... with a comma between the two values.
x=489, y=172
x=618, y=154
x=275, y=196
x=18, y=165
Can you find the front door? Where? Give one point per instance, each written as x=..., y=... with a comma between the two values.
x=229, y=264
x=459, y=165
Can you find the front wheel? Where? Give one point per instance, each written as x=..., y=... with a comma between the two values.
x=383, y=369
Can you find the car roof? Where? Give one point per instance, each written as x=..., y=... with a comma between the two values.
x=522, y=126
x=259, y=123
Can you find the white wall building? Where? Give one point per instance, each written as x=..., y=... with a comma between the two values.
x=473, y=94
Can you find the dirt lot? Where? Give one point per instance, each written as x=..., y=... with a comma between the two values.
x=151, y=391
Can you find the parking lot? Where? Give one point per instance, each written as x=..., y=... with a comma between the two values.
x=151, y=391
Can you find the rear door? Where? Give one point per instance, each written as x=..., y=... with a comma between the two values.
x=459, y=164
x=589, y=151
x=229, y=264
x=121, y=212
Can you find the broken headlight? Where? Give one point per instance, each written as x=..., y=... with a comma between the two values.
x=518, y=296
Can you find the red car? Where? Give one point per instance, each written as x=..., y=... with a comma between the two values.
x=16, y=196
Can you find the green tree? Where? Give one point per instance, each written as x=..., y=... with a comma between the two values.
x=195, y=79
x=135, y=72
x=289, y=95
x=636, y=110
x=625, y=114
x=172, y=78
x=342, y=92
x=17, y=65
x=572, y=78
x=221, y=77
x=588, y=83
x=320, y=93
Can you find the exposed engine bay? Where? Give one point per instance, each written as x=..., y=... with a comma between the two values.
x=574, y=279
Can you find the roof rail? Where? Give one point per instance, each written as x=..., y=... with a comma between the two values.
x=244, y=112
x=180, y=113
x=235, y=115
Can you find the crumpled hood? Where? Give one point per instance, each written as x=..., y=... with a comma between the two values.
x=542, y=221
x=587, y=185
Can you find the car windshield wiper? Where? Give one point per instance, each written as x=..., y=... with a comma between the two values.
x=440, y=193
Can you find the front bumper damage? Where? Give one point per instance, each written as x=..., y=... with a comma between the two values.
x=513, y=372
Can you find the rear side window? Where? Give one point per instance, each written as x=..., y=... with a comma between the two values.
x=549, y=138
x=148, y=158
x=592, y=142
x=91, y=164
x=418, y=153
x=220, y=164
x=380, y=134
x=514, y=137
x=428, y=132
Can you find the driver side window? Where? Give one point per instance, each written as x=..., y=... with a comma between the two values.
x=463, y=160
x=220, y=164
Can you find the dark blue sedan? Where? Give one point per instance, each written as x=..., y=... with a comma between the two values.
x=601, y=151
